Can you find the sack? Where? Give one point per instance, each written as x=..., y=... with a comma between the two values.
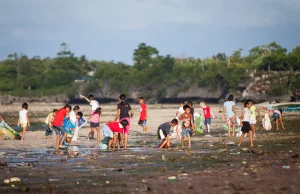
x=266, y=122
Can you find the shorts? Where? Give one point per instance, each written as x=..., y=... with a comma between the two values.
x=94, y=125
x=230, y=120
x=59, y=130
x=24, y=124
x=207, y=121
x=246, y=127
x=252, y=121
x=161, y=134
x=186, y=132
x=106, y=132
x=142, y=123
x=275, y=116
x=127, y=128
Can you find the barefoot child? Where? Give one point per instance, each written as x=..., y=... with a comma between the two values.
x=49, y=125
x=73, y=113
x=253, y=117
x=112, y=131
x=58, y=125
x=80, y=122
x=186, y=121
x=95, y=124
x=208, y=114
x=164, y=131
x=245, y=122
x=143, y=114
x=23, y=119
x=277, y=116
x=229, y=114
x=94, y=103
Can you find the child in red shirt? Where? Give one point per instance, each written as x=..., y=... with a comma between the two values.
x=112, y=130
x=143, y=114
x=208, y=114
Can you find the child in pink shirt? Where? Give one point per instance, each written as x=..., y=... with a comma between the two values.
x=95, y=124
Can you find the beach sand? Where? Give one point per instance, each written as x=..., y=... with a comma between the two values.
x=213, y=165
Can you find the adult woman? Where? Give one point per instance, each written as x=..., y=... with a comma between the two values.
x=124, y=112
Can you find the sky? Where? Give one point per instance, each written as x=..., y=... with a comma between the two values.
x=112, y=29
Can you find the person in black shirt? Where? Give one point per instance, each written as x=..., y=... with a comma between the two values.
x=124, y=112
x=164, y=131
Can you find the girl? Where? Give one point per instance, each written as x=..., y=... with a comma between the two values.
x=277, y=116
x=245, y=123
x=95, y=121
x=48, y=124
x=229, y=114
x=58, y=125
x=123, y=111
x=23, y=119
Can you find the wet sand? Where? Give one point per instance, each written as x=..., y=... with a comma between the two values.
x=213, y=165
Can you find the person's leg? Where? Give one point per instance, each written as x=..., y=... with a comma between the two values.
x=276, y=123
x=57, y=141
x=98, y=133
x=115, y=141
x=229, y=126
x=23, y=133
x=233, y=127
x=125, y=140
x=253, y=130
x=241, y=139
x=182, y=141
x=163, y=143
x=190, y=141
x=251, y=138
x=110, y=143
x=120, y=140
x=64, y=135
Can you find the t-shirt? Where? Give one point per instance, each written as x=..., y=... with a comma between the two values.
x=186, y=120
x=124, y=110
x=115, y=127
x=180, y=110
x=253, y=113
x=278, y=112
x=143, y=110
x=206, y=112
x=228, y=105
x=50, y=118
x=23, y=116
x=72, y=117
x=59, y=117
x=247, y=114
x=94, y=104
x=165, y=127
x=95, y=117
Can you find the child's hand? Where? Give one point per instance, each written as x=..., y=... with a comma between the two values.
x=18, y=124
x=28, y=124
x=111, y=121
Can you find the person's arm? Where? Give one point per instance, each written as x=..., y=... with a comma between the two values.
x=89, y=101
x=146, y=109
x=212, y=114
x=18, y=122
x=241, y=118
x=27, y=119
x=131, y=113
x=233, y=110
x=49, y=122
x=117, y=116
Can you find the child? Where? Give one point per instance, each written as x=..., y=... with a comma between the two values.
x=95, y=124
x=187, y=124
x=277, y=116
x=23, y=119
x=112, y=130
x=80, y=122
x=253, y=117
x=73, y=114
x=94, y=103
x=208, y=114
x=230, y=113
x=48, y=124
x=164, y=131
x=190, y=103
x=180, y=110
x=245, y=122
x=143, y=114
x=58, y=125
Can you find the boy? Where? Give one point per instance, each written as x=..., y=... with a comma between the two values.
x=208, y=114
x=23, y=119
x=112, y=130
x=253, y=117
x=187, y=124
x=163, y=133
x=94, y=103
x=180, y=111
x=143, y=114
